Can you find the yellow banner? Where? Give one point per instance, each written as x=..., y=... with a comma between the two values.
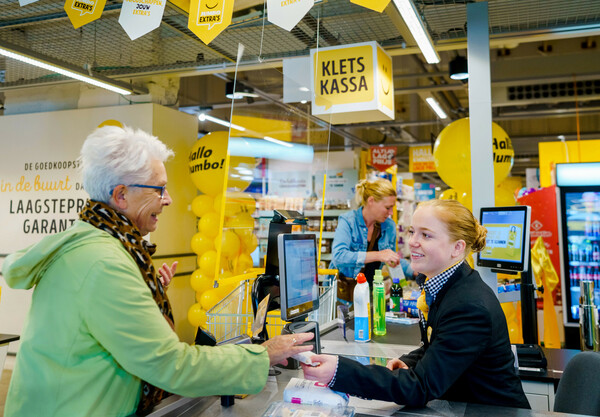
x=208, y=18
x=82, y=12
x=421, y=159
x=377, y=5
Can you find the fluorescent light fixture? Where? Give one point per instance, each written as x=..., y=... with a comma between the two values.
x=304, y=89
x=50, y=64
x=259, y=148
x=203, y=116
x=435, y=106
x=277, y=141
x=417, y=29
x=578, y=174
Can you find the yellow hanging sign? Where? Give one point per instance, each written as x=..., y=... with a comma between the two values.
x=377, y=5
x=208, y=18
x=82, y=12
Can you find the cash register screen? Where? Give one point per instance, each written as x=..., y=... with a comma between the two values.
x=298, y=277
x=507, y=240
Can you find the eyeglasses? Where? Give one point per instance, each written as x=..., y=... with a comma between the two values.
x=154, y=187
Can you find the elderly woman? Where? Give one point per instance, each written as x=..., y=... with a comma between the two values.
x=98, y=338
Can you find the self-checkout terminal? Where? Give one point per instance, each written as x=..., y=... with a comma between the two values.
x=290, y=279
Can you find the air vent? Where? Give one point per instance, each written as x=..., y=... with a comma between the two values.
x=546, y=93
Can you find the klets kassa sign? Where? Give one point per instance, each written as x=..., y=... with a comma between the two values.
x=352, y=83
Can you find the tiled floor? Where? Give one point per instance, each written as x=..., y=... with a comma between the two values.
x=5, y=380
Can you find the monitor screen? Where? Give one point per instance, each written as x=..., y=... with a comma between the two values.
x=298, y=276
x=507, y=241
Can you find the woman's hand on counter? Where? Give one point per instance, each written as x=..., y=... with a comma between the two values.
x=166, y=273
x=282, y=347
x=324, y=372
x=396, y=364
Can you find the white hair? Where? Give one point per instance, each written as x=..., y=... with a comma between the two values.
x=112, y=155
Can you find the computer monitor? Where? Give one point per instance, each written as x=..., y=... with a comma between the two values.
x=298, y=276
x=507, y=242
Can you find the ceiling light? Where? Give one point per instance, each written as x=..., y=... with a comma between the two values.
x=417, y=29
x=202, y=117
x=458, y=68
x=435, y=106
x=303, y=101
x=56, y=66
x=242, y=91
x=277, y=141
x=304, y=89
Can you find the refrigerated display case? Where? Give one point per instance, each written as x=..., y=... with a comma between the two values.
x=578, y=200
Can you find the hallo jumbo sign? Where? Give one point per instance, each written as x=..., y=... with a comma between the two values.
x=352, y=83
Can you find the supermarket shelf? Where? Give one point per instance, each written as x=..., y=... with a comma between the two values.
x=307, y=213
x=326, y=257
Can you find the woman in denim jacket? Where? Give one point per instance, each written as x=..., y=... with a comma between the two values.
x=357, y=228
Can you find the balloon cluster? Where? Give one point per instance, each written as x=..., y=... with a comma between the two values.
x=452, y=156
x=207, y=170
x=525, y=191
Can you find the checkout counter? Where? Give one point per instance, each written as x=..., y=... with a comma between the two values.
x=539, y=387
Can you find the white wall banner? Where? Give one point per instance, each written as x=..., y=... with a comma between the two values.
x=26, y=2
x=139, y=17
x=287, y=13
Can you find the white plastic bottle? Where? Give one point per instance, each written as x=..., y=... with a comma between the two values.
x=362, y=310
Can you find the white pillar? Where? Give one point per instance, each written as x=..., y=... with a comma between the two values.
x=480, y=115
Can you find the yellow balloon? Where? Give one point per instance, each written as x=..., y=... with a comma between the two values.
x=226, y=274
x=241, y=171
x=235, y=202
x=201, y=243
x=242, y=263
x=250, y=243
x=207, y=162
x=465, y=199
x=224, y=290
x=197, y=316
x=449, y=194
x=230, y=244
x=208, y=225
x=242, y=224
x=210, y=298
x=452, y=154
x=202, y=204
x=504, y=197
x=201, y=282
x=208, y=262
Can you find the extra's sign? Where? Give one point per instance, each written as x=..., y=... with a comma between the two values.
x=352, y=83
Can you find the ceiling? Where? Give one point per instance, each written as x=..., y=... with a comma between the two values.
x=545, y=63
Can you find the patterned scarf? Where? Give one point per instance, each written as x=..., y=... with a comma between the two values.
x=117, y=225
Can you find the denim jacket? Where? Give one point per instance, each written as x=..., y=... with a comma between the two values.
x=349, y=248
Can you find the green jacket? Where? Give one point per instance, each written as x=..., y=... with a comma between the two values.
x=94, y=331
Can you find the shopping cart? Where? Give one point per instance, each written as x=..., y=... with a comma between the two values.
x=232, y=317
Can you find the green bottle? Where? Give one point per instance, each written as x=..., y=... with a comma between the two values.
x=378, y=304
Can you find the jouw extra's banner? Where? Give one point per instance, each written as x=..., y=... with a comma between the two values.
x=208, y=18
x=383, y=157
x=377, y=5
x=287, y=13
x=82, y=12
x=139, y=17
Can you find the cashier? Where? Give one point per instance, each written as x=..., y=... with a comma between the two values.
x=365, y=238
x=99, y=338
x=465, y=352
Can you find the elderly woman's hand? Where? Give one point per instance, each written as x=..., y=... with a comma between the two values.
x=166, y=273
x=282, y=347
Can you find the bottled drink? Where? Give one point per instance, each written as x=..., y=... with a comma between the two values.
x=362, y=310
x=378, y=304
x=396, y=295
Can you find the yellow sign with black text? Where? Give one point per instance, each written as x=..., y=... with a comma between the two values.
x=208, y=18
x=377, y=5
x=82, y=12
x=352, y=83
